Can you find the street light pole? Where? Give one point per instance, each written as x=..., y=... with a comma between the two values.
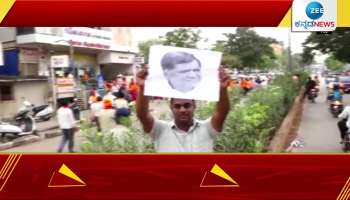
x=71, y=62
x=53, y=84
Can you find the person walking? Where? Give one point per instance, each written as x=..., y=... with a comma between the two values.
x=67, y=124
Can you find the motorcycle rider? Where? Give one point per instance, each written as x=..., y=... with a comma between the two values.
x=344, y=123
x=310, y=84
x=337, y=95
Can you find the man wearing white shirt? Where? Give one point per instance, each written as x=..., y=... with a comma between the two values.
x=96, y=108
x=344, y=123
x=67, y=124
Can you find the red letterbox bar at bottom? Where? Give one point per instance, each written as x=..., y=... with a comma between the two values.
x=176, y=176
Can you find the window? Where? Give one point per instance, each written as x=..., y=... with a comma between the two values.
x=25, y=30
x=29, y=69
x=6, y=92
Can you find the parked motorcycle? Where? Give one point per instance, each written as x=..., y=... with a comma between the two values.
x=23, y=124
x=43, y=112
x=336, y=107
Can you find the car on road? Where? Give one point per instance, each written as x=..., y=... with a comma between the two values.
x=330, y=78
x=344, y=82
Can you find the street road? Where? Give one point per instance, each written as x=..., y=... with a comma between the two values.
x=318, y=130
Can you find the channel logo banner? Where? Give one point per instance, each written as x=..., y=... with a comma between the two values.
x=314, y=15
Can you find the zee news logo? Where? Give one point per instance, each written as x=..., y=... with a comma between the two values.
x=314, y=11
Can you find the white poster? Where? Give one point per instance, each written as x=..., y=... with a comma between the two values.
x=60, y=61
x=183, y=73
x=1, y=55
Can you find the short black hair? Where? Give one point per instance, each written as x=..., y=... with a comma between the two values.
x=63, y=102
x=170, y=59
x=120, y=94
x=172, y=100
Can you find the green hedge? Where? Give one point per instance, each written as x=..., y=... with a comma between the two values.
x=251, y=124
x=130, y=141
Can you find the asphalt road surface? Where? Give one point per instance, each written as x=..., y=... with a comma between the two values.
x=318, y=131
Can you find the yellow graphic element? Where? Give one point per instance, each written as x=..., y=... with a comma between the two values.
x=67, y=172
x=5, y=6
x=7, y=169
x=221, y=173
x=5, y=165
x=287, y=19
x=64, y=170
x=345, y=191
x=343, y=13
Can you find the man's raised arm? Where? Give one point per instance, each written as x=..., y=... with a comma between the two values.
x=142, y=102
x=223, y=105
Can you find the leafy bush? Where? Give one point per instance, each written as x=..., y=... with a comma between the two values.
x=125, y=121
x=129, y=141
x=251, y=124
x=206, y=109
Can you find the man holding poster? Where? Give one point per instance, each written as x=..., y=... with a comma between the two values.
x=184, y=133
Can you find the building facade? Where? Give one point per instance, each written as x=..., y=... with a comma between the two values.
x=27, y=53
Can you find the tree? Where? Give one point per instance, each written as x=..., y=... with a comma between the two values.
x=252, y=49
x=308, y=56
x=182, y=37
x=231, y=61
x=334, y=65
x=145, y=45
x=336, y=43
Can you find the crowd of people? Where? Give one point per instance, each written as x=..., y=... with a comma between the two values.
x=107, y=110
x=249, y=83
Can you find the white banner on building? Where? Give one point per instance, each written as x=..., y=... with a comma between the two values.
x=60, y=61
x=88, y=37
x=1, y=55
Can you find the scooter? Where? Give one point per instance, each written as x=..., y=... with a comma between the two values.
x=23, y=124
x=43, y=112
x=336, y=107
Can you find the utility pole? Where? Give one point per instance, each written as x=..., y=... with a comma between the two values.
x=53, y=84
x=71, y=63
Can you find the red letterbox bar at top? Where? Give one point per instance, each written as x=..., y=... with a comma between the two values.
x=147, y=13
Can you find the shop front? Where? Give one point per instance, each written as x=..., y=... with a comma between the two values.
x=114, y=63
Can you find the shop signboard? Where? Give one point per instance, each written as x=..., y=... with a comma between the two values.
x=88, y=37
x=61, y=61
x=27, y=55
x=65, y=87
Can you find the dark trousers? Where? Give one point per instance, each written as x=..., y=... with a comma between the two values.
x=96, y=121
x=68, y=136
x=342, y=128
